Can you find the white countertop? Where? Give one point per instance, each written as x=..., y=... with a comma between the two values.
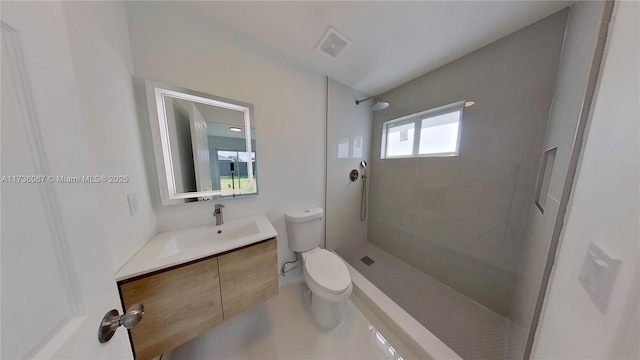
x=176, y=247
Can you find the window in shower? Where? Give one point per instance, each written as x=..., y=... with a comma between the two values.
x=434, y=132
x=400, y=139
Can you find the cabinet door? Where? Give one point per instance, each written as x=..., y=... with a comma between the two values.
x=179, y=304
x=248, y=277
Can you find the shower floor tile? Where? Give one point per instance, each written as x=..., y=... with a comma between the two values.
x=468, y=328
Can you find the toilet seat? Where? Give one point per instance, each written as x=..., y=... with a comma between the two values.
x=327, y=271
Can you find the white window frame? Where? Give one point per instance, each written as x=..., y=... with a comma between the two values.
x=417, y=119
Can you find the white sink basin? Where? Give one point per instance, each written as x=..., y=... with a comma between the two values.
x=179, y=246
x=187, y=239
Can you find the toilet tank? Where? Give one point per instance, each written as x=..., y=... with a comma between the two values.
x=304, y=229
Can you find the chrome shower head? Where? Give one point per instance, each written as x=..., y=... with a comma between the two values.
x=377, y=105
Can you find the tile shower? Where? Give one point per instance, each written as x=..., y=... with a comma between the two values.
x=452, y=228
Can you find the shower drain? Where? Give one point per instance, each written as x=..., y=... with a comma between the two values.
x=367, y=260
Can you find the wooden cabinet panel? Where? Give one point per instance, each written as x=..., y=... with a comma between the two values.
x=248, y=277
x=180, y=304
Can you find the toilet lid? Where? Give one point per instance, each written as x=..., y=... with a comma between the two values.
x=328, y=270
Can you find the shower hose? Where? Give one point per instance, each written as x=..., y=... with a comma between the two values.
x=363, y=201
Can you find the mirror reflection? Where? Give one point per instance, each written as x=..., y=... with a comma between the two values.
x=206, y=143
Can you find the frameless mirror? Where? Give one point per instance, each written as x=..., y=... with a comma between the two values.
x=204, y=144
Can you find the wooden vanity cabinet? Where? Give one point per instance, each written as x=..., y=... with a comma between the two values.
x=184, y=301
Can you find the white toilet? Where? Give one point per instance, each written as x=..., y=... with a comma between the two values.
x=325, y=274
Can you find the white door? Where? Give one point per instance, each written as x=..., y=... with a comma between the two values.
x=200, y=144
x=57, y=279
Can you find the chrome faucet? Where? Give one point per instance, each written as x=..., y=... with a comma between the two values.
x=218, y=214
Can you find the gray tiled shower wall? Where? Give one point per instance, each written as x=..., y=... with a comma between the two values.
x=461, y=219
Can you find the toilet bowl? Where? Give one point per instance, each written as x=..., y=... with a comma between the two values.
x=325, y=274
x=328, y=279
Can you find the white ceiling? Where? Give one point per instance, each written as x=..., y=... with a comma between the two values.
x=392, y=41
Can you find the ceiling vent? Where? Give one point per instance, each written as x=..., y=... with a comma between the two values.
x=332, y=43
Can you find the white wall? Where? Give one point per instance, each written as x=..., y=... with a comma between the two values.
x=99, y=42
x=289, y=103
x=604, y=207
x=349, y=126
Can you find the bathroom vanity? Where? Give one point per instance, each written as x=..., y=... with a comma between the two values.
x=193, y=279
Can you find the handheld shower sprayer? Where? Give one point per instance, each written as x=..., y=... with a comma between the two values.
x=363, y=200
